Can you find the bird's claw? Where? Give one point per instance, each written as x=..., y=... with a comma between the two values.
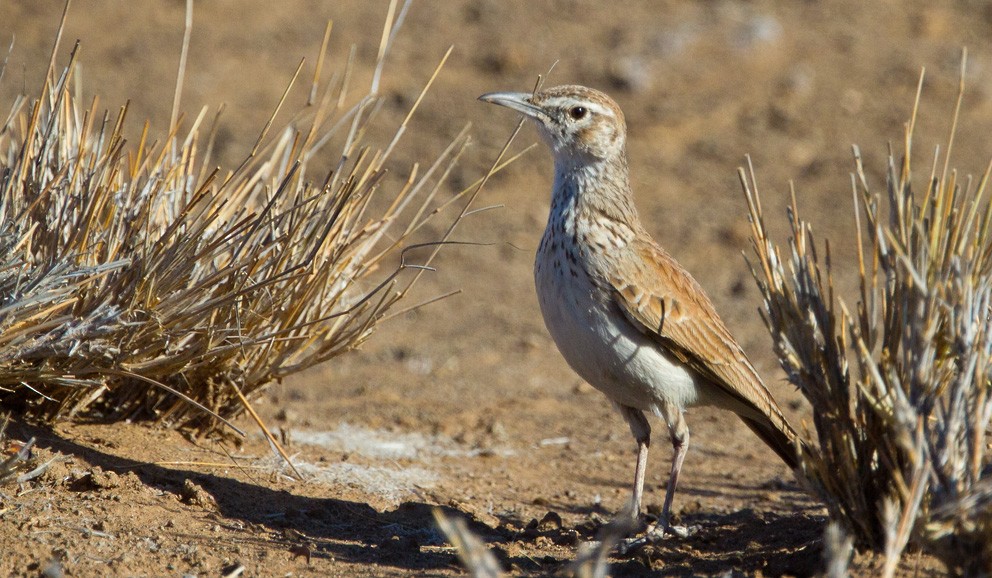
x=655, y=534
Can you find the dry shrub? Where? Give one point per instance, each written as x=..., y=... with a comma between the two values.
x=902, y=454
x=138, y=280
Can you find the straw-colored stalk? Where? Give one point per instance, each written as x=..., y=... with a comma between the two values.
x=902, y=454
x=591, y=560
x=138, y=280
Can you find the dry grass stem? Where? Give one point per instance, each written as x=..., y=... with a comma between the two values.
x=592, y=560
x=18, y=465
x=472, y=551
x=900, y=381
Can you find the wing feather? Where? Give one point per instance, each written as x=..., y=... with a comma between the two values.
x=662, y=300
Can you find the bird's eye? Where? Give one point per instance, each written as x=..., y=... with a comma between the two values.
x=577, y=112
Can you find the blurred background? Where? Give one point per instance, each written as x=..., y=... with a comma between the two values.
x=702, y=84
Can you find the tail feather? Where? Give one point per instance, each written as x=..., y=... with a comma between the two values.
x=783, y=441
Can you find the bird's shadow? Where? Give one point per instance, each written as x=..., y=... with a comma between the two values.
x=745, y=541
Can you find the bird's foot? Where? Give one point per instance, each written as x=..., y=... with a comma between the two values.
x=655, y=534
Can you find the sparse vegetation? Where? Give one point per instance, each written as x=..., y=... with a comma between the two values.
x=530, y=459
x=903, y=434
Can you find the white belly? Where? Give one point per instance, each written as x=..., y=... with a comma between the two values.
x=603, y=347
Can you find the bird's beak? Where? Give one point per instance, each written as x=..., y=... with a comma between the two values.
x=518, y=101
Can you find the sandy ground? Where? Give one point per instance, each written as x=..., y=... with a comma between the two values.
x=466, y=404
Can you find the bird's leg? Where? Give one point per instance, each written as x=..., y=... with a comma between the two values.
x=639, y=473
x=679, y=432
x=680, y=446
x=641, y=430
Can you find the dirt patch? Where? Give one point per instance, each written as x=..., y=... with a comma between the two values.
x=466, y=405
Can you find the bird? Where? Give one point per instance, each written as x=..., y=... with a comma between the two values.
x=625, y=315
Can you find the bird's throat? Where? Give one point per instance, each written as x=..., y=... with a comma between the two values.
x=592, y=191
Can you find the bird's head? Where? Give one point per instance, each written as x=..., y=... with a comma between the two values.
x=581, y=125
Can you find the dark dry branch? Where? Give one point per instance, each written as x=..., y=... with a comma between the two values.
x=903, y=436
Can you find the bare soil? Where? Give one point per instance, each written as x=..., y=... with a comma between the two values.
x=465, y=405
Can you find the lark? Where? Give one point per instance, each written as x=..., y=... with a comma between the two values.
x=624, y=314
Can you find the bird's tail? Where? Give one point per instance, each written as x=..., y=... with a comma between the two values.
x=782, y=439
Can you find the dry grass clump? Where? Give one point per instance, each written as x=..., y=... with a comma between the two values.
x=138, y=280
x=903, y=435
